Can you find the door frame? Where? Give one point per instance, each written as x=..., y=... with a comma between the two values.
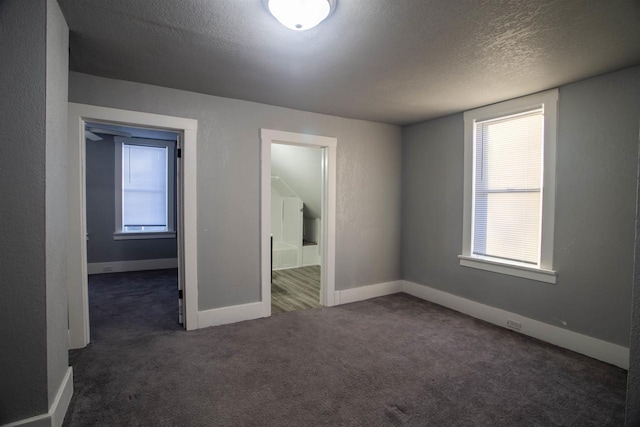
x=328, y=220
x=79, y=329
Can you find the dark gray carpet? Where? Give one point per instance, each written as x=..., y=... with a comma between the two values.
x=388, y=361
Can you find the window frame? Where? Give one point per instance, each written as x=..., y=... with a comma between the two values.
x=119, y=233
x=548, y=101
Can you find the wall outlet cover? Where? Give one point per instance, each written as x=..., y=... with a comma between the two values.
x=514, y=325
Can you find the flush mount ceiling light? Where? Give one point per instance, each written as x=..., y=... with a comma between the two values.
x=300, y=15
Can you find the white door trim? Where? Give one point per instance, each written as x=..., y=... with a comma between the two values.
x=79, y=335
x=328, y=256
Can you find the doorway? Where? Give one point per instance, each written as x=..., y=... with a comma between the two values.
x=318, y=228
x=296, y=218
x=81, y=119
x=132, y=260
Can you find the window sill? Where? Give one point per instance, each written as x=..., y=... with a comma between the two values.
x=147, y=235
x=532, y=273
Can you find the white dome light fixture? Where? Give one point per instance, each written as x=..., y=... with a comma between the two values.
x=300, y=15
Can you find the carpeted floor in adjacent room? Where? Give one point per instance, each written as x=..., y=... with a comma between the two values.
x=389, y=361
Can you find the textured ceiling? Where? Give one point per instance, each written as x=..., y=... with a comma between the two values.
x=399, y=61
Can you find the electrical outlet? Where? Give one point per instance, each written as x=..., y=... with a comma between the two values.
x=514, y=325
x=107, y=269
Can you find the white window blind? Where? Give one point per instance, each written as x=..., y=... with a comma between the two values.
x=144, y=188
x=507, y=187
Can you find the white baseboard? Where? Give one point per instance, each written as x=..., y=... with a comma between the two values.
x=256, y=310
x=311, y=263
x=63, y=397
x=598, y=349
x=232, y=314
x=362, y=293
x=136, y=265
x=55, y=416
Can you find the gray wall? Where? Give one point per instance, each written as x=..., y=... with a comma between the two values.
x=23, y=363
x=101, y=214
x=633, y=378
x=368, y=180
x=56, y=204
x=301, y=169
x=595, y=211
x=33, y=303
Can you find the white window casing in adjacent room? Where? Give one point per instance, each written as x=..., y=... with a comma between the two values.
x=144, y=188
x=509, y=187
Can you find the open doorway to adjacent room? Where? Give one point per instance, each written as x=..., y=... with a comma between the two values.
x=132, y=247
x=298, y=221
x=132, y=222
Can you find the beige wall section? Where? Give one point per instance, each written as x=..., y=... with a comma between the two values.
x=597, y=149
x=368, y=179
x=301, y=169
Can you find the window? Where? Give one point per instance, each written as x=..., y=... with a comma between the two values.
x=510, y=187
x=145, y=188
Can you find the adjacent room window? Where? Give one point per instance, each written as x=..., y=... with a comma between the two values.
x=509, y=187
x=145, y=188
